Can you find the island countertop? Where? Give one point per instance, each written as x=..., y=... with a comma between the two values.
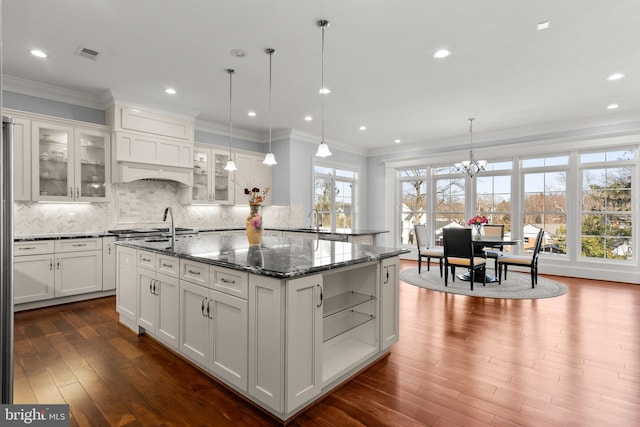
x=276, y=257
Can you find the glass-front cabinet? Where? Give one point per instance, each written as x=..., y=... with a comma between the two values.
x=69, y=164
x=211, y=183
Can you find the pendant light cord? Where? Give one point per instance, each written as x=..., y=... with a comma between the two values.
x=270, y=52
x=322, y=89
x=471, y=119
x=230, y=108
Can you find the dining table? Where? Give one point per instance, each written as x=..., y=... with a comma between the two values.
x=488, y=241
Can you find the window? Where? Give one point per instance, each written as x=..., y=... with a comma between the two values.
x=607, y=212
x=449, y=199
x=413, y=183
x=493, y=192
x=334, y=196
x=544, y=203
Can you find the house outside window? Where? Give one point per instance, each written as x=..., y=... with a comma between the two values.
x=413, y=202
x=607, y=205
x=334, y=196
x=544, y=202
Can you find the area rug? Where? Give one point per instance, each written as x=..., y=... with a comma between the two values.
x=518, y=286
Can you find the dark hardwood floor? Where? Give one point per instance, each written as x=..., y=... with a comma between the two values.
x=567, y=361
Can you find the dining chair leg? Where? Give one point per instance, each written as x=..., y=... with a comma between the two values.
x=428, y=264
x=440, y=267
x=446, y=275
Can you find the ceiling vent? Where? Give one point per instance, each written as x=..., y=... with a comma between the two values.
x=87, y=53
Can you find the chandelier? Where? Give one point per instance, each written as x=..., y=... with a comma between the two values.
x=472, y=166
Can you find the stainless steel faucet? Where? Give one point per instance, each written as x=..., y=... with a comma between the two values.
x=316, y=218
x=173, y=228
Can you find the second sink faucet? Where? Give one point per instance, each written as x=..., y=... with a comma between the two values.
x=169, y=211
x=315, y=219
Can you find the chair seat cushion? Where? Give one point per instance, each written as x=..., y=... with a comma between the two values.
x=515, y=259
x=466, y=262
x=432, y=252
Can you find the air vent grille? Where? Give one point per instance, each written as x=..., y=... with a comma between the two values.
x=88, y=53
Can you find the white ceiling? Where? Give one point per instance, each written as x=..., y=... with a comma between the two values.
x=378, y=62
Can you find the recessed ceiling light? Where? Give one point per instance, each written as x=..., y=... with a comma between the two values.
x=170, y=91
x=251, y=114
x=239, y=53
x=38, y=53
x=363, y=128
x=612, y=106
x=308, y=118
x=544, y=25
x=324, y=91
x=397, y=141
x=615, y=76
x=442, y=53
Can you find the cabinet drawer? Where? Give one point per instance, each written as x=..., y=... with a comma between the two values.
x=36, y=247
x=194, y=272
x=77, y=245
x=232, y=282
x=146, y=260
x=168, y=265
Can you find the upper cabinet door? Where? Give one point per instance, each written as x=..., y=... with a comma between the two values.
x=52, y=162
x=21, y=159
x=92, y=174
x=221, y=178
x=201, y=176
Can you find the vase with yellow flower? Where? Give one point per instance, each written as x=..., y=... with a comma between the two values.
x=253, y=224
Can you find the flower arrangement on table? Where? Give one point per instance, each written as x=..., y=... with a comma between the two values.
x=254, y=220
x=477, y=222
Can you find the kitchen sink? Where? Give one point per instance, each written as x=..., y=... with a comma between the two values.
x=156, y=240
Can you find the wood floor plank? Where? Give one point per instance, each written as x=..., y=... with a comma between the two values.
x=567, y=361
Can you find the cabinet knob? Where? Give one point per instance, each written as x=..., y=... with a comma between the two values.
x=321, y=296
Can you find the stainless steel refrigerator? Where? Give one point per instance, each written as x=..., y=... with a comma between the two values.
x=6, y=264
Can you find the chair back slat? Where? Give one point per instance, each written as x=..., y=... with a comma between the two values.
x=458, y=242
x=421, y=235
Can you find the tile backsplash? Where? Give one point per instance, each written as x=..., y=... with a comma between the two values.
x=140, y=204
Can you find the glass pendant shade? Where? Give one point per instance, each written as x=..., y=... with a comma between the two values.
x=230, y=166
x=323, y=150
x=270, y=159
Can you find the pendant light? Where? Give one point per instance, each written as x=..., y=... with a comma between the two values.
x=231, y=165
x=472, y=166
x=270, y=159
x=323, y=148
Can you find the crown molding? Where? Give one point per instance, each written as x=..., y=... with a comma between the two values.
x=223, y=130
x=116, y=97
x=299, y=135
x=52, y=93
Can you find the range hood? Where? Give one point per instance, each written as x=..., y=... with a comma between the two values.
x=128, y=172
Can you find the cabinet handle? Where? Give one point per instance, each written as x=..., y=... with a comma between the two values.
x=58, y=264
x=77, y=192
x=223, y=280
x=146, y=259
x=78, y=245
x=209, y=309
x=109, y=249
x=321, y=296
x=195, y=273
x=27, y=248
x=202, y=308
x=167, y=265
x=51, y=264
x=71, y=192
x=155, y=290
x=387, y=279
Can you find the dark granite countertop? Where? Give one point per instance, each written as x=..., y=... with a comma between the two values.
x=276, y=257
x=60, y=236
x=356, y=232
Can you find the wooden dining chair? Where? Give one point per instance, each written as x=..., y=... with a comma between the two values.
x=494, y=251
x=424, y=251
x=459, y=252
x=530, y=261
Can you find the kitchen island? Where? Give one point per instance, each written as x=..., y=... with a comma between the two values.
x=282, y=323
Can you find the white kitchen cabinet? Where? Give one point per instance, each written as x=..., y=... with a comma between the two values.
x=158, y=305
x=304, y=340
x=69, y=164
x=126, y=286
x=78, y=272
x=212, y=184
x=108, y=263
x=266, y=341
x=21, y=159
x=389, y=300
x=213, y=328
x=33, y=278
x=251, y=173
